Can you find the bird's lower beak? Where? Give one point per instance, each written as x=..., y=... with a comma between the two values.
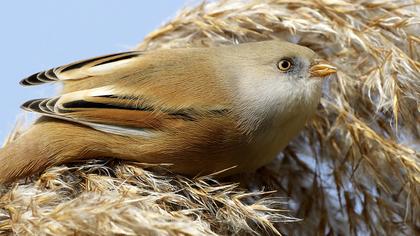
x=321, y=68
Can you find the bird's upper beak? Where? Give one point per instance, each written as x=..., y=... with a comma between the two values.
x=321, y=68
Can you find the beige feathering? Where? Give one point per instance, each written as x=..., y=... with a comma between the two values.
x=199, y=110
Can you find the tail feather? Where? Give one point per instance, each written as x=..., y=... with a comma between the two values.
x=47, y=143
x=17, y=160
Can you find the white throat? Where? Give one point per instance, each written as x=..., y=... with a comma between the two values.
x=273, y=114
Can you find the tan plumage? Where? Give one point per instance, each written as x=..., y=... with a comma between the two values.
x=200, y=109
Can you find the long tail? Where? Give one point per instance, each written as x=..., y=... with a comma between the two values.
x=48, y=142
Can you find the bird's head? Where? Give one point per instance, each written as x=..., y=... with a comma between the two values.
x=276, y=77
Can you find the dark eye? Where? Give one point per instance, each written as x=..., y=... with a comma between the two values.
x=285, y=65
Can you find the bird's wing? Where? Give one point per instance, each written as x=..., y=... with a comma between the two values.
x=132, y=93
x=103, y=110
x=98, y=66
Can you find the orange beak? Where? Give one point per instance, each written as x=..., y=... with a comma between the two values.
x=321, y=68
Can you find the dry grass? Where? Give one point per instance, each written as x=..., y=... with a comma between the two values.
x=354, y=170
x=103, y=198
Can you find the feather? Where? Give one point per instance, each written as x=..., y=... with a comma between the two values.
x=82, y=69
x=115, y=112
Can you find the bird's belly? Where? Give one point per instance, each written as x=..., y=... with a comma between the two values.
x=191, y=155
x=270, y=143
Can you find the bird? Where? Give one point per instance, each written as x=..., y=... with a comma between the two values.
x=198, y=110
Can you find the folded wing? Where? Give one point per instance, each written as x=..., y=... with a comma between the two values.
x=119, y=114
x=134, y=93
x=97, y=66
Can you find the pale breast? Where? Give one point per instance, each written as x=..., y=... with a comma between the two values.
x=268, y=144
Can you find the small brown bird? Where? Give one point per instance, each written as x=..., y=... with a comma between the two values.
x=200, y=109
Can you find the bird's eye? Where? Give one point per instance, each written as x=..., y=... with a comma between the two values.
x=285, y=65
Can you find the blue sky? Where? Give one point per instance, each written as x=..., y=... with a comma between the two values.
x=37, y=35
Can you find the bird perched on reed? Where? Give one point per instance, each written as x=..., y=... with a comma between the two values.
x=201, y=110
